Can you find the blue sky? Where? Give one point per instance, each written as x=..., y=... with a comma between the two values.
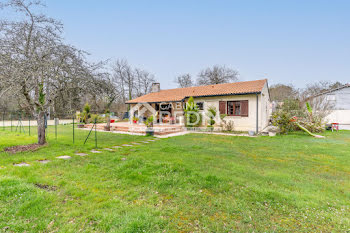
x=294, y=42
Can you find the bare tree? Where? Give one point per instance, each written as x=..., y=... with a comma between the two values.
x=319, y=87
x=184, y=80
x=216, y=75
x=132, y=82
x=143, y=82
x=281, y=92
x=316, y=94
x=36, y=64
x=124, y=77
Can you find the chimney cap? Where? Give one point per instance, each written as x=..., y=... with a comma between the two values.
x=155, y=87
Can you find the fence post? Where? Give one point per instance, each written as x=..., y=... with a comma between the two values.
x=29, y=126
x=73, y=130
x=11, y=122
x=3, y=121
x=56, y=128
x=19, y=123
x=95, y=134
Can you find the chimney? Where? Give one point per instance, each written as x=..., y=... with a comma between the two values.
x=155, y=87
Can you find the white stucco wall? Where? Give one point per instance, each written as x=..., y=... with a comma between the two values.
x=339, y=104
x=242, y=123
x=340, y=116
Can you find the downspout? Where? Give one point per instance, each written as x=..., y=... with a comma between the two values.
x=183, y=111
x=257, y=113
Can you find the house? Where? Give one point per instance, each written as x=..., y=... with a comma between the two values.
x=337, y=105
x=246, y=104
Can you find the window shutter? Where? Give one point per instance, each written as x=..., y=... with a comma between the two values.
x=244, y=108
x=222, y=107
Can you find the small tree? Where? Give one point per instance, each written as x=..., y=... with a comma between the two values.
x=193, y=118
x=86, y=114
x=149, y=122
x=211, y=114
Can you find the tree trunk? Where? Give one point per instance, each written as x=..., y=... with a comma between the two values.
x=41, y=128
x=108, y=125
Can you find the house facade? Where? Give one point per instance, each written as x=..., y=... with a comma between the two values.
x=338, y=103
x=245, y=104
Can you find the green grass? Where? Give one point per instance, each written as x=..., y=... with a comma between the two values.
x=191, y=183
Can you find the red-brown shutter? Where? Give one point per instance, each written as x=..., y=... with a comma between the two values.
x=222, y=107
x=244, y=108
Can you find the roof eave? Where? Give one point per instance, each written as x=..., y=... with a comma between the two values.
x=244, y=93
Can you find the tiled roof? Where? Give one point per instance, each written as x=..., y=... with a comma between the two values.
x=179, y=94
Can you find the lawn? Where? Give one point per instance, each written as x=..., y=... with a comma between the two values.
x=191, y=183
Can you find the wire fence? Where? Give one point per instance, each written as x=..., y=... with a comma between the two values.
x=57, y=127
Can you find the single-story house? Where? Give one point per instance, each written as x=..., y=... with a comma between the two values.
x=247, y=104
x=337, y=104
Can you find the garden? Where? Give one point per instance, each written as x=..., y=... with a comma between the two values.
x=190, y=183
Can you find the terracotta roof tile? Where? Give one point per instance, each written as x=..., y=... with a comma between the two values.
x=179, y=94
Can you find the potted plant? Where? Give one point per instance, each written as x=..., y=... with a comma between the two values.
x=273, y=130
x=149, y=124
x=80, y=123
x=135, y=120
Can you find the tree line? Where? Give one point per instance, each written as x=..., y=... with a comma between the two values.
x=281, y=92
x=212, y=75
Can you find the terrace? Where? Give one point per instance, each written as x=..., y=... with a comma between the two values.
x=127, y=127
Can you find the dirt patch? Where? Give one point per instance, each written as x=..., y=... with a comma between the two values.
x=22, y=148
x=46, y=187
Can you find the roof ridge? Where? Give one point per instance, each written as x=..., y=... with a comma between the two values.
x=212, y=85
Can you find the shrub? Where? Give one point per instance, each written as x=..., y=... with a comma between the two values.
x=227, y=125
x=192, y=116
x=211, y=114
x=85, y=115
x=291, y=108
x=99, y=119
x=149, y=122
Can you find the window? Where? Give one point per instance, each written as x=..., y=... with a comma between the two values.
x=237, y=108
x=200, y=105
x=330, y=97
x=234, y=108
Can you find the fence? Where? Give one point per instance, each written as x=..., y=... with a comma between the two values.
x=27, y=124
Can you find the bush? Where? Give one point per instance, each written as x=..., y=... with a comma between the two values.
x=149, y=122
x=99, y=119
x=192, y=116
x=291, y=108
x=227, y=125
x=211, y=114
x=85, y=115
